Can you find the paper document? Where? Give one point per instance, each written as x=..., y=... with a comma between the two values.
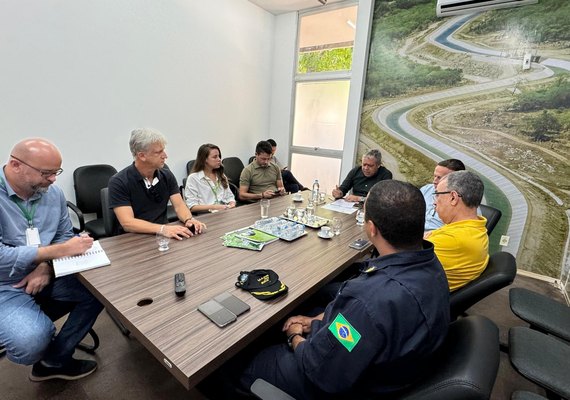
x=342, y=206
x=93, y=258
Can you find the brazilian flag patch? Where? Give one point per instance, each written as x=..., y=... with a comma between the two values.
x=344, y=332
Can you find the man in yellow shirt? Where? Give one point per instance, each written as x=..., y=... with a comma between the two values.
x=462, y=244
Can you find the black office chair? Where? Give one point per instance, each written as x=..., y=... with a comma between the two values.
x=87, y=182
x=232, y=168
x=465, y=367
x=111, y=229
x=170, y=212
x=251, y=159
x=492, y=215
x=500, y=272
x=543, y=359
x=110, y=222
x=541, y=312
x=189, y=166
x=57, y=309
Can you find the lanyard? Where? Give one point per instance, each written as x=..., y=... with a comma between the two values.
x=214, y=189
x=27, y=212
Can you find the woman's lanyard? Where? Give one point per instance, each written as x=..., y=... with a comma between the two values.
x=214, y=189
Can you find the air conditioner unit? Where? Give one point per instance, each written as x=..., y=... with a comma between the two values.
x=455, y=7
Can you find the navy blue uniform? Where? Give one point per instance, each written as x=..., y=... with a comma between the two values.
x=375, y=336
x=127, y=188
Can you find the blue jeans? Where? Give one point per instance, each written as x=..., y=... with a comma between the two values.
x=28, y=333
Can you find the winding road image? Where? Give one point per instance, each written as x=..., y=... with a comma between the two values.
x=393, y=118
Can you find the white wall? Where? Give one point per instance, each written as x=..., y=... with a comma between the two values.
x=85, y=73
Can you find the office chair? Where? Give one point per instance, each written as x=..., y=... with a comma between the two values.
x=232, y=168
x=492, y=215
x=251, y=159
x=500, y=272
x=170, y=212
x=541, y=312
x=464, y=367
x=111, y=229
x=189, y=166
x=542, y=358
x=110, y=222
x=88, y=180
x=56, y=309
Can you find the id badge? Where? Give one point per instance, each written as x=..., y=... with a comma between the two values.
x=32, y=237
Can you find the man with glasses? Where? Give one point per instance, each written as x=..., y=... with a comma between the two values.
x=139, y=194
x=462, y=244
x=35, y=229
x=441, y=169
x=262, y=178
x=361, y=179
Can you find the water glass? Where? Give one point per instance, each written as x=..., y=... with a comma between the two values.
x=290, y=212
x=162, y=241
x=264, y=203
x=360, y=217
x=310, y=212
x=300, y=214
x=322, y=197
x=336, y=225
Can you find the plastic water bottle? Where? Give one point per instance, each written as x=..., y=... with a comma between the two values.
x=315, y=191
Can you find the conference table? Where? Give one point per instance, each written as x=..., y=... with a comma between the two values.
x=138, y=287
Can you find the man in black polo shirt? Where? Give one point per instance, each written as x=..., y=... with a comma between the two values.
x=361, y=179
x=139, y=194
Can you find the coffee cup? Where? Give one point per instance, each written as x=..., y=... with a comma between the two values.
x=326, y=231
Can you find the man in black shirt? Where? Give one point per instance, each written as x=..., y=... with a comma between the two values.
x=139, y=194
x=361, y=179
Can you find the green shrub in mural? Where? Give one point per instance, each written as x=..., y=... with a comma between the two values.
x=491, y=88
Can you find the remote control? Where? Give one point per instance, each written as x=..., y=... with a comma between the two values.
x=179, y=284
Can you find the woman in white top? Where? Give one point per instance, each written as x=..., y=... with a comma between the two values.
x=207, y=187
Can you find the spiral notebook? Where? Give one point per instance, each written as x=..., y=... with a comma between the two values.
x=95, y=257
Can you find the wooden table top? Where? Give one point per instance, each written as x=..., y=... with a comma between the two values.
x=171, y=327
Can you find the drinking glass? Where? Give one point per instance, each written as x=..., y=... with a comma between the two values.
x=336, y=225
x=310, y=211
x=264, y=203
x=162, y=241
x=360, y=217
x=290, y=212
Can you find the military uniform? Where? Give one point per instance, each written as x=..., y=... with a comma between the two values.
x=375, y=337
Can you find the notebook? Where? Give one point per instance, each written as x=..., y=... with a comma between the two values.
x=95, y=257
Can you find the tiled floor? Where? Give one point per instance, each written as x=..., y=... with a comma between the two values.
x=127, y=371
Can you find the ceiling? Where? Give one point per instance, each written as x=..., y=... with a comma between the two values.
x=283, y=6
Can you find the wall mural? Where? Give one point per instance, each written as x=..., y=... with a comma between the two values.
x=492, y=89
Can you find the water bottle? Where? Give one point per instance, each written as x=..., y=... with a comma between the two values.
x=315, y=191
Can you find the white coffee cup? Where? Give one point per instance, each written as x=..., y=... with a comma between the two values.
x=326, y=231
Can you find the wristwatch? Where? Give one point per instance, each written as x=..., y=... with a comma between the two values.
x=290, y=339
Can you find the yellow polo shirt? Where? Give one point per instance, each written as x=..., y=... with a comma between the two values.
x=463, y=250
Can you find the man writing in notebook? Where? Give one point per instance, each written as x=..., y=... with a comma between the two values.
x=34, y=229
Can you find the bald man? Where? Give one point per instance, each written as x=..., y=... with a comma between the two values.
x=35, y=229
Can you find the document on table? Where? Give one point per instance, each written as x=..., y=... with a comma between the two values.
x=341, y=205
x=93, y=258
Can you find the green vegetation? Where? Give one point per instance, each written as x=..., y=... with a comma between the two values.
x=389, y=74
x=543, y=127
x=325, y=60
x=554, y=96
x=546, y=21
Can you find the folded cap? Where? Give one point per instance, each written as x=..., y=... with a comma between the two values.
x=263, y=284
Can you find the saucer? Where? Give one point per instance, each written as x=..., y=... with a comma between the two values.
x=298, y=199
x=320, y=234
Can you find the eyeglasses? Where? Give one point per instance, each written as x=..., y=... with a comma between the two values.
x=46, y=173
x=447, y=192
